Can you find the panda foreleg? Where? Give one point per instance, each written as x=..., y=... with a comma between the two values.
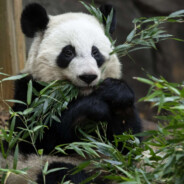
x=120, y=98
x=116, y=93
x=112, y=102
x=84, y=109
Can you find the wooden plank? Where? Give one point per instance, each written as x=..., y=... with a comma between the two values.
x=12, y=44
x=20, y=41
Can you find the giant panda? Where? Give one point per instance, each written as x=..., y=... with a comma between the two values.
x=72, y=47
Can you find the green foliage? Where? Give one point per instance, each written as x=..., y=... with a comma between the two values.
x=169, y=139
x=146, y=33
x=158, y=159
x=48, y=104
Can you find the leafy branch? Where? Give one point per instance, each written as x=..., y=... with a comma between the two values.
x=146, y=33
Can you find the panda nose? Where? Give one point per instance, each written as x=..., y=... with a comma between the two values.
x=88, y=78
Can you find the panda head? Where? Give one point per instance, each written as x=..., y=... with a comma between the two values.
x=70, y=46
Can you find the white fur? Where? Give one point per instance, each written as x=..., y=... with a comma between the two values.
x=33, y=164
x=82, y=31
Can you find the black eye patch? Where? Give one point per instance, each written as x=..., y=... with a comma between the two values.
x=98, y=56
x=66, y=55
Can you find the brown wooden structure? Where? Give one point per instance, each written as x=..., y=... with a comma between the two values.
x=12, y=43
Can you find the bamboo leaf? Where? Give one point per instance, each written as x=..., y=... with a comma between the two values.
x=177, y=13
x=16, y=101
x=180, y=107
x=27, y=111
x=16, y=77
x=29, y=92
x=131, y=35
x=45, y=169
x=12, y=126
x=147, y=81
x=4, y=74
x=15, y=157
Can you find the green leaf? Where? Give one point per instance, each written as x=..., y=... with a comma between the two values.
x=21, y=172
x=81, y=166
x=15, y=157
x=178, y=39
x=55, y=169
x=4, y=74
x=60, y=150
x=179, y=107
x=78, y=150
x=45, y=105
x=47, y=87
x=2, y=149
x=37, y=128
x=175, y=90
x=146, y=81
x=108, y=22
x=40, y=152
x=124, y=171
x=131, y=35
x=92, y=177
x=27, y=111
x=56, y=118
x=161, y=102
x=29, y=92
x=16, y=101
x=165, y=36
x=16, y=77
x=177, y=13
x=139, y=48
x=45, y=169
x=12, y=126
x=5, y=135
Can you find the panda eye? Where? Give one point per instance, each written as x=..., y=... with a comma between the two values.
x=95, y=52
x=68, y=53
x=66, y=56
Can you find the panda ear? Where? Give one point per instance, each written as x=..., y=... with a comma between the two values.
x=34, y=18
x=106, y=10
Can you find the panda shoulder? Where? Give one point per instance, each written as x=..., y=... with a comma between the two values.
x=21, y=87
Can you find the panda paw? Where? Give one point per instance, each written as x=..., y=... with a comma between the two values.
x=116, y=93
x=87, y=108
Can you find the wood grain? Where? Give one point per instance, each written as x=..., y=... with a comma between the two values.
x=12, y=43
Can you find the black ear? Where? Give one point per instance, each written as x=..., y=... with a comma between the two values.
x=34, y=18
x=106, y=10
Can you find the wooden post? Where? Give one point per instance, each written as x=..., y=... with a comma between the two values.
x=12, y=43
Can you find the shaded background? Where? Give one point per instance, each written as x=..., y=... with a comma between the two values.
x=166, y=61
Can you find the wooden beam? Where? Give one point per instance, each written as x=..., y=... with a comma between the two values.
x=12, y=43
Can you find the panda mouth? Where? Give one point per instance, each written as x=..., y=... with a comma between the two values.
x=86, y=90
x=86, y=87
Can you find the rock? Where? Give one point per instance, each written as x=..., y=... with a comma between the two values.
x=161, y=6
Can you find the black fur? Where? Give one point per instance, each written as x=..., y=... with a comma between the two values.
x=112, y=102
x=106, y=10
x=57, y=176
x=66, y=56
x=98, y=56
x=33, y=19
